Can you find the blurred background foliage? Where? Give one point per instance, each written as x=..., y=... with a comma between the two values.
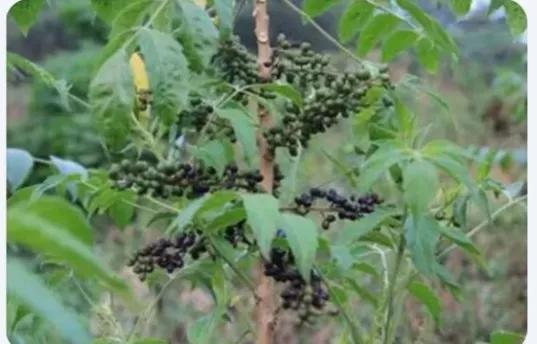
x=480, y=103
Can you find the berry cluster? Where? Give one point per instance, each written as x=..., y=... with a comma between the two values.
x=328, y=96
x=349, y=208
x=236, y=65
x=168, y=254
x=180, y=179
x=307, y=298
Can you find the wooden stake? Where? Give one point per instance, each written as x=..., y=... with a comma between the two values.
x=264, y=311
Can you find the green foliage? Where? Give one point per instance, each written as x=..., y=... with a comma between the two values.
x=19, y=166
x=516, y=17
x=25, y=13
x=505, y=337
x=429, y=299
x=262, y=214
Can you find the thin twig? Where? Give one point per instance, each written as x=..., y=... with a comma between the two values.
x=391, y=290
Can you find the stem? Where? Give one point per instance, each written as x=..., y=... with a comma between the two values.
x=264, y=312
x=391, y=290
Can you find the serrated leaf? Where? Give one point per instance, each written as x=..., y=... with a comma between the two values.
x=421, y=234
x=427, y=54
x=244, y=129
x=43, y=236
x=516, y=17
x=302, y=236
x=397, y=42
x=168, y=72
x=375, y=30
x=505, y=337
x=354, y=18
x=420, y=183
x=365, y=225
x=315, y=8
x=129, y=16
x=428, y=298
x=33, y=293
x=286, y=91
x=262, y=214
x=461, y=7
x=111, y=95
x=19, y=166
x=25, y=13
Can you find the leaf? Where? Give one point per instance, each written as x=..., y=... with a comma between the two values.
x=111, y=95
x=315, y=8
x=28, y=67
x=44, y=236
x=494, y=5
x=262, y=214
x=421, y=234
x=378, y=27
x=121, y=211
x=150, y=341
x=428, y=297
x=461, y=7
x=25, y=13
x=68, y=167
x=215, y=153
x=427, y=54
x=107, y=10
x=360, y=128
x=31, y=291
x=362, y=292
x=19, y=166
x=378, y=163
x=60, y=213
x=224, y=12
x=505, y=337
x=244, y=129
x=398, y=42
x=168, y=72
x=420, y=182
x=486, y=164
x=302, y=236
x=342, y=168
x=354, y=18
x=286, y=91
x=516, y=17
x=366, y=224
x=199, y=34
x=226, y=218
x=202, y=330
x=129, y=16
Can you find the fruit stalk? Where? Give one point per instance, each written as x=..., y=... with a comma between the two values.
x=264, y=311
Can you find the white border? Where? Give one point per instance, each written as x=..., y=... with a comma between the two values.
x=530, y=6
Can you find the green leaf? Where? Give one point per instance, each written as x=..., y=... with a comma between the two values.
x=376, y=29
x=378, y=163
x=427, y=54
x=262, y=213
x=398, y=42
x=122, y=210
x=286, y=91
x=315, y=8
x=68, y=167
x=421, y=234
x=215, y=153
x=28, y=67
x=365, y=225
x=342, y=168
x=150, y=341
x=130, y=16
x=111, y=96
x=168, y=72
x=486, y=164
x=428, y=297
x=417, y=14
x=224, y=12
x=25, y=13
x=516, y=17
x=60, y=213
x=362, y=292
x=360, y=128
x=244, y=129
x=199, y=35
x=46, y=237
x=494, y=5
x=341, y=254
x=33, y=293
x=420, y=183
x=226, y=218
x=354, y=18
x=505, y=337
x=107, y=10
x=302, y=236
x=202, y=330
x=19, y=166
x=461, y=7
